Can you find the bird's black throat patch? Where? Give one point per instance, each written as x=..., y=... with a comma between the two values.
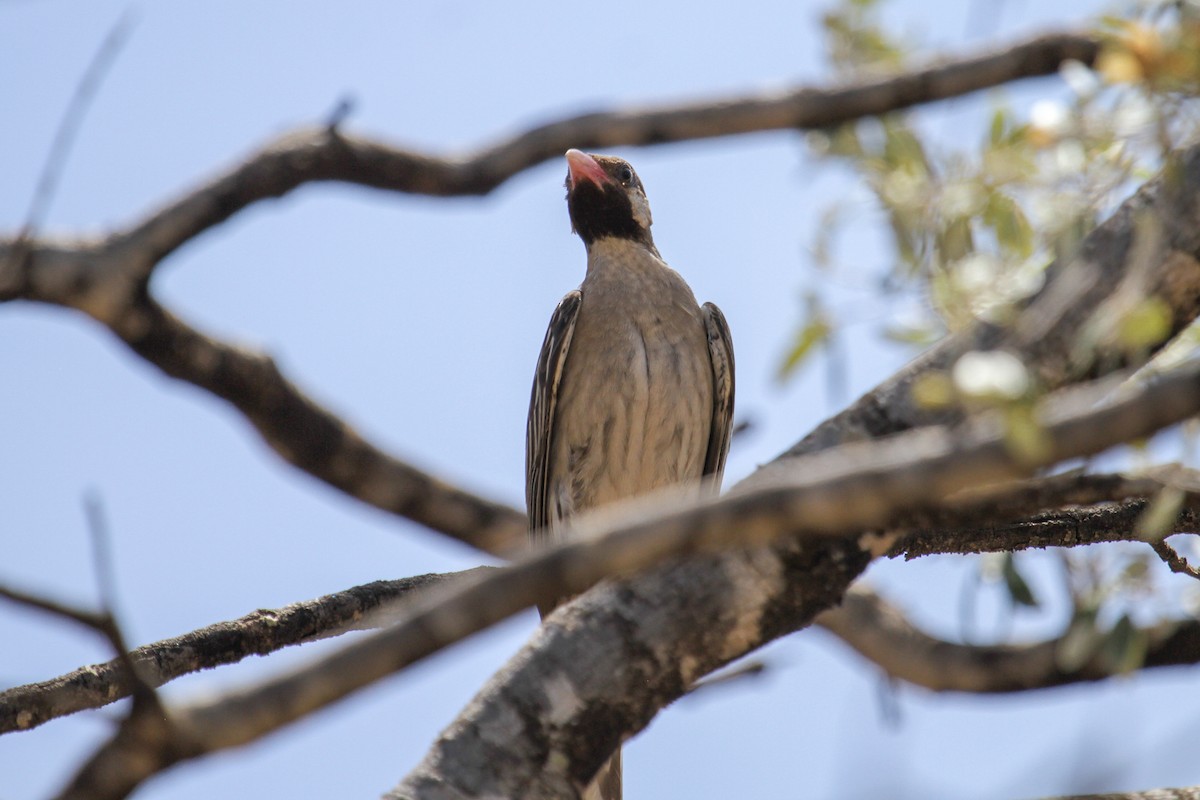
x=597, y=213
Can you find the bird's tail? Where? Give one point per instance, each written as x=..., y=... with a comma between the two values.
x=607, y=783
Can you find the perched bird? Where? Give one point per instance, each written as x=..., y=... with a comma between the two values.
x=634, y=384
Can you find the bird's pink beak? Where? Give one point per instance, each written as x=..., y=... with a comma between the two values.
x=581, y=166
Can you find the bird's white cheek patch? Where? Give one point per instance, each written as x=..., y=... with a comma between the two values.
x=641, y=210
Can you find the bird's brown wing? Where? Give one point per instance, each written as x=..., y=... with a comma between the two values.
x=539, y=431
x=720, y=355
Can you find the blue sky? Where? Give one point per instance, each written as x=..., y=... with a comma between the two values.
x=419, y=320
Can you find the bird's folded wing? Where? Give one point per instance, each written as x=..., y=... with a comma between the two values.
x=539, y=432
x=720, y=353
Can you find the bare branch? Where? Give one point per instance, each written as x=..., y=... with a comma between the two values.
x=146, y=712
x=1054, y=511
x=85, y=617
x=72, y=121
x=259, y=633
x=1059, y=528
x=1173, y=559
x=326, y=155
x=882, y=634
x=313, y=439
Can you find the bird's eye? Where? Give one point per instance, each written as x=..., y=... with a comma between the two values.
x=625, y=173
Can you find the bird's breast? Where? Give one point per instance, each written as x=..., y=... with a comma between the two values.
x=635, y=402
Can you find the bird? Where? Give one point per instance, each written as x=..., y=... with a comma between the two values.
x=634, y=385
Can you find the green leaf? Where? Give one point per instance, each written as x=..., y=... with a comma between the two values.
x=814, y=332
x=844, y=141
x=1158, y=520
x=998, y=127
x=902, y=149
x=1012, y=228
x=920, y=335
x=1080, y=642
x=1018, y=588
x=933, y=390
x=955, y=241
x=1023, y=434
x=1124, y=647
x=1146, y=324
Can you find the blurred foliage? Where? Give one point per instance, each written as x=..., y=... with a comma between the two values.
x=973, y=225
x=974, y=220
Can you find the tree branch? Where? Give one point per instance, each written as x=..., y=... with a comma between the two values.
x=258, y=633
x=882, y=634
x=1182, y=793
x=359, y=608
x=1055, y=511
x=1174, y=561
x=327, y=155
x=850, y=489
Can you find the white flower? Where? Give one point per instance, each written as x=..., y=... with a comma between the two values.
x=1081, y=80
x=1050, y=117
x=993, y=374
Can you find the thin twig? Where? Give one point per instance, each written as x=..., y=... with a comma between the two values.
x=88, y=619
x=1173, y=559
x=68, y=128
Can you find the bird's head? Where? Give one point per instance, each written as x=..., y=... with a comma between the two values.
x=605, y=198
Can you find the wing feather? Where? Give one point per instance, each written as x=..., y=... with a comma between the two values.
x=539, y=432
x=720, y=354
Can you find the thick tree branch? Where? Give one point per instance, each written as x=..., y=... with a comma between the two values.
x=881, y=634
x=995, y=514
x=852, y=488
